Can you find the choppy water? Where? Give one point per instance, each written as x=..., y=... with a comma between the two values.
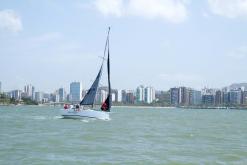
x=38, y=135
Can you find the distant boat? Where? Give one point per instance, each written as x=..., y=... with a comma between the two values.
x=86, y=106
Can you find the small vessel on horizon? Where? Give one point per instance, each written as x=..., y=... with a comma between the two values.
x=86, y=106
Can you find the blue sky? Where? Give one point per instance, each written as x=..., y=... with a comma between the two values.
x=162, y=43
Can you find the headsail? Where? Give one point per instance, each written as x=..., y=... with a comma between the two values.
x=90, y=96
x=106, y=106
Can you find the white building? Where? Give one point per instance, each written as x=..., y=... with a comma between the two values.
x=38, y=97
x=56, y=98
x=119, y=95
x=16, y=94
x=149, y=95
x=101, y=96
x=29, y=91
x=140, y=94
x=76, y=92
x=114, y=97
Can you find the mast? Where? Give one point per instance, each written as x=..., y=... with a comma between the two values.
x=106, y=106
x=89, y=98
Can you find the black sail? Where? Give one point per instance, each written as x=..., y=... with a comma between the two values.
x=90, y=96
x=106, y=106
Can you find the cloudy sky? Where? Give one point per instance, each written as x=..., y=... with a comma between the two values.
x=162, y=43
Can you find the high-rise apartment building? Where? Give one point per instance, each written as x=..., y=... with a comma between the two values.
x=140, y=94
x=39, y=97
x=195, y=97
x=218, y=98
x=62, y=94
x=149, y=95
x=174, y=96
x=184, y=96
x=76, y=92
x=29, y=91
x=235, y=96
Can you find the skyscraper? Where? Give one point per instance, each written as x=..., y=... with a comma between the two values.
x=119, y=96
x=218, y=98
x=196, y=97
x=244, y=97
x=29, y=91
x=184, y=96
x=128, y=96
x=149, y=95
x=140, y=94
x=38, y=97
x=62, y=94
x=235, y=96
x=174, y=96
x=76, y=92
x=208, y=99
x=0, y=87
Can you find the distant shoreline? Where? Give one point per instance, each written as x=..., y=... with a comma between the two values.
x=137, y=106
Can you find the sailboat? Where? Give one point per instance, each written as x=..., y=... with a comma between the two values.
x=82, y=110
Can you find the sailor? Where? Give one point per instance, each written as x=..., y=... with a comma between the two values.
x=104, y=106
x=77, y=107
x=66, y=106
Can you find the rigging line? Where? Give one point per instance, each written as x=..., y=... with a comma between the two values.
x=107, y=42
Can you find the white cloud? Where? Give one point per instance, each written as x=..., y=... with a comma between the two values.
x=174, y=11
x=10, y=21
x=229, y=8
x=110, y=7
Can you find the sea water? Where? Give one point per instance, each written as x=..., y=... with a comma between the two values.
x=39, y=135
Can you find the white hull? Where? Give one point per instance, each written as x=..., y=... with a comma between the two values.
x=89, y=113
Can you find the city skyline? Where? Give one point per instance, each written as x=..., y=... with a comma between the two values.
x=160, y=43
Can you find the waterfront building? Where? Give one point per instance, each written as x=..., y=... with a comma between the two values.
x=0, y=87
x=15, y=94
x=76, y=92
x=39, y=97
x=208, y=91
x=218, y=98
x=119, y=96
x=56, y=98
x=62, y=94
x=128, y=96
x=46, y=97
x=140, y=94
x=114, y=95
x=174, y=96
x=184, y=96
x=69, y=98
x=235, y=96
x=101, y=96
x=149, y=95
x=29, y=91
x=195, y=97
x=225, y=98
x=245, y=98
x=208, y=99
x=162, y=97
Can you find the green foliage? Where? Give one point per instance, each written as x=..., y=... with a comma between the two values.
x=4, y=99
x=28, y=101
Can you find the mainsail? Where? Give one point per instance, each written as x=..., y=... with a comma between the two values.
x=106, y=106
x=90, y=96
